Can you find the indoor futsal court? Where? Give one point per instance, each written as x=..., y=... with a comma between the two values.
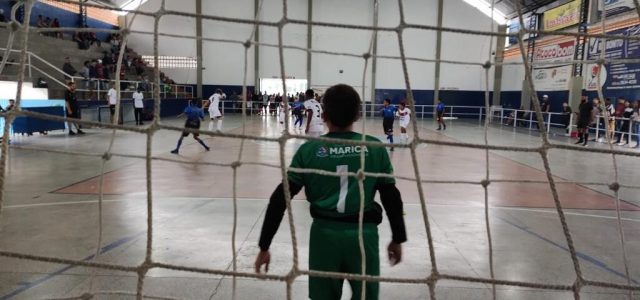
x=193, y=214
x=151, y=148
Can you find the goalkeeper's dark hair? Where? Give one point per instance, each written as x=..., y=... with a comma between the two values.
x=341, y=105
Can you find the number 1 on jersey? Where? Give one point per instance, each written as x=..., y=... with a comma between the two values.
x=344, y=187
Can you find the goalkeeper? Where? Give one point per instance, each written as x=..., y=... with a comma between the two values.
x=335, y=202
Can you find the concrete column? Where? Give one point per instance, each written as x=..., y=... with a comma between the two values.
x=256, y=49
x=374, y=60
x=497, y=70
x=199, y=54
x=575, y=91
x=309, y=40
x=436, y=77
x=525, y=96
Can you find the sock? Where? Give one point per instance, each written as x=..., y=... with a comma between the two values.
x=219, y=124
x=203, y=144
x=405, y=137
x=211, y=125
x=586, y=137
x=179, y=144
x=391, y=138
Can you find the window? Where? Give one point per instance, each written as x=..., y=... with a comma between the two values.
x=172, y=62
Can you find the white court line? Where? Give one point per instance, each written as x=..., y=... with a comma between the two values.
x=550, y=211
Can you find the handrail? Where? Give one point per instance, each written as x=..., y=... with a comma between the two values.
x=187, y=88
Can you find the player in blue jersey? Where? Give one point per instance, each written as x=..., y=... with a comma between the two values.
x=388, y=116
x=298, y=110
x=194, y=115
x=440, y=115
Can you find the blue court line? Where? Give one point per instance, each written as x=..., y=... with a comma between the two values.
x=28, y=285
x=594, y=261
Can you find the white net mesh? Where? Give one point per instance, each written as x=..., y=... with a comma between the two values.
x=297, y=270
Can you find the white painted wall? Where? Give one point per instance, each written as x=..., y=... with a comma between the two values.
x=224, y=62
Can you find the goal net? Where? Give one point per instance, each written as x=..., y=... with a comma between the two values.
x=397, y=33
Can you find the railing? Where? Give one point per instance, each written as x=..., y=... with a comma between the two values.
x=98, y=85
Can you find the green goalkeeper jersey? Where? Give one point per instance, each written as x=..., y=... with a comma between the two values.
x=336, y=196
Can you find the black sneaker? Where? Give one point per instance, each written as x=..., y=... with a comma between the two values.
x=174, y=151
x=579, y=142
x=80, y=131
x=439, y=128
x=71, y=132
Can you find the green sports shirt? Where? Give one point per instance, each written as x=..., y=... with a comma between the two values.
x=336, y=196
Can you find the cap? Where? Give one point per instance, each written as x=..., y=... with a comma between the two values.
x=545, y=96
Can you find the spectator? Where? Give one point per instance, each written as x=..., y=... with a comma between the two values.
x=610, y=114
x=625, y=124
x=92, y=38
x=2, y=17
x=636, y=121
x=47, y=24
x=619, y=111
x=545, y=104
x=566, y=117
x=12, y=105
x=80, y=38
x=100, y=74
x=68, y=69
x=86, y=74
x=40, y=22
x=56, y=24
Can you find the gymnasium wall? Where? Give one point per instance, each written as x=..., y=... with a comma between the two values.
x=224, y=61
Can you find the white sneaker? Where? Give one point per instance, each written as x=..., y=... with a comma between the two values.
x=621, y=144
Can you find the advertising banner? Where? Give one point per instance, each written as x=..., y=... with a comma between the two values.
x=562, y=16
x=614, y=7
x=514, y=27
x=553, y=78
x=615, y=76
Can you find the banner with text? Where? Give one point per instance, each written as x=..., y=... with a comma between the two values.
x=615, y=76
x=562, y=16
x=553, y=77
x=614, y=7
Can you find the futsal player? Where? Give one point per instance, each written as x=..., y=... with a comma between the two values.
x=335, y=203
x=194, y=116
x=298, y=109
x=440, y=115
x=388, y=117
x=405, y=118
x=214, y=109
x=315, y=126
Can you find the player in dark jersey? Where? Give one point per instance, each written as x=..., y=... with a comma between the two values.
x=440, y=115
x=388, y=116
x=335, y=202
x=194, y=115
x=585, y=117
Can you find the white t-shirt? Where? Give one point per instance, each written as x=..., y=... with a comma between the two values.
x=113, y=98
x=214, y=101
x=137, y=100
x=316, y=125
x=405, y=115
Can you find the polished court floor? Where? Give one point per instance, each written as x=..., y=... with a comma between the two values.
x=51, y=210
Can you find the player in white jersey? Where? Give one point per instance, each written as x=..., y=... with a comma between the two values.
x=281, y=112
x=315, y=125
x=405, y=118
x=214, y=109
